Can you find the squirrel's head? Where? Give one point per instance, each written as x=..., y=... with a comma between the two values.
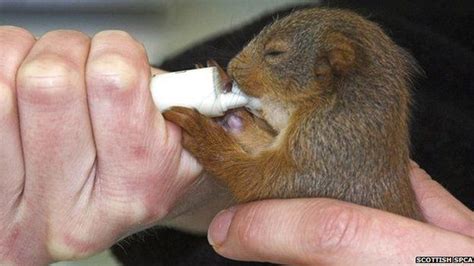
x=304, y=57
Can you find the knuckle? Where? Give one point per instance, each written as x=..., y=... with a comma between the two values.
x=14, y=43
x=111, y=71
x=66, y=246
x=113, y=33
x=46, y=75
x=66, y=35
x=6, y=100
x=117, y=40
x=9, y=32
x=337, y=228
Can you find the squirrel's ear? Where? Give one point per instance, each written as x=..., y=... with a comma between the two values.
x=341, y=53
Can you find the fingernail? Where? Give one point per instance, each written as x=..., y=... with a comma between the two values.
x=220, y=225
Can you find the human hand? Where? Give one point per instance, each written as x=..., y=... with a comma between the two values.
x=325, y=231
x=85, y=157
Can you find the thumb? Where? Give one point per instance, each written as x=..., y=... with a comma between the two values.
x=188, y=165
x=323, y=231
x=435, y=202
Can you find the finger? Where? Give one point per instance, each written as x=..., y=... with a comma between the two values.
x=436, y=202
x=14, y=46
x=324, y=231
x=139, y=153
x=189, y=166
x=54, y=120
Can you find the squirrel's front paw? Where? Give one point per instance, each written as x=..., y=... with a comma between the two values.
x=246, y=130
x=235, y=122
x=190, y=120
x=203, y=137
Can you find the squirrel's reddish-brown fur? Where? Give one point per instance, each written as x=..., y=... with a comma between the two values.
x=335, y=93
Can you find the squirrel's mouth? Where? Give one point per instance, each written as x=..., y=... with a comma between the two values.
x=231, y=121
x=254, y=104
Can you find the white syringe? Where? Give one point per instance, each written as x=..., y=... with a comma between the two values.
x=197, y=88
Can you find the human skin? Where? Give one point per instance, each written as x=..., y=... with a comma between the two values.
x=330, y=232
x=85, y=157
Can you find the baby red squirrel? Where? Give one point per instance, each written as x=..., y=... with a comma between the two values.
x=333, y=120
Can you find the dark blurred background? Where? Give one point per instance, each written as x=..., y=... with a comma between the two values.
x=166, y=27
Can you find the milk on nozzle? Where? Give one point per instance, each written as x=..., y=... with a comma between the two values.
x=201, y=89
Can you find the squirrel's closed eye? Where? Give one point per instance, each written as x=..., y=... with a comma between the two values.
x=275, y=49
x=274, y=53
